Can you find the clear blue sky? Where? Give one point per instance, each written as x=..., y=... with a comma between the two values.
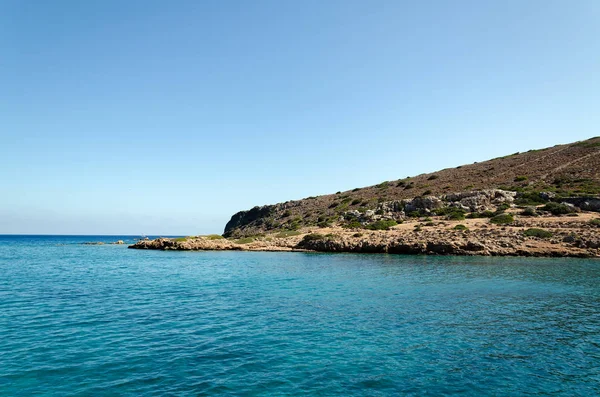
x=166, y=117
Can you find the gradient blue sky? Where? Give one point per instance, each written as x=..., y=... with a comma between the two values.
x=166, y=117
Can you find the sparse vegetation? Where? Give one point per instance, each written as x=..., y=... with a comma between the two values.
x=457, y=215
x=214, y=237
x=529, y=211
x=535, y=232
x=460, y=226
x=530, y=198
x=502, y=219
x=382, y=225
x=484, y=214
x=313, y=237
x=558, y=208
x=595, y=222
x=520, y=178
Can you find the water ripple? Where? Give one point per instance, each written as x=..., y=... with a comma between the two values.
x=103, y=320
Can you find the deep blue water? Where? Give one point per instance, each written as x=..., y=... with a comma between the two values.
x=81, y=320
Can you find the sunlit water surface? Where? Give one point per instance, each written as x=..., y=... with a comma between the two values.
x=104, y=320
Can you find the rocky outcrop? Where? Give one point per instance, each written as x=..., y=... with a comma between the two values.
x=584, y=203
x=191, y=244
x=244, y=218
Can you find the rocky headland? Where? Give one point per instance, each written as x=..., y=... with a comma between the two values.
x=539, y=203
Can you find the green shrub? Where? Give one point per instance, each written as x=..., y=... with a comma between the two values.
x=558, y=208
x=214, y=237
x=353, y=225
x=432, y=177
x=426, y=193
x=484, y=214
x=323, y=224
x=502, y=219
x=382, y=225
x=429, y=224
x=529, y=211
x=357, y=235
x=460, y=227
x=355, y=201
x=595, y=222
x=418, y=228
x=313, y=237
x=520, y=178
x=180, y=239
x=530, y=198
x=383, y=185
x=535, y=232
x=245, y=240
x=502, y=207
x=456, y=216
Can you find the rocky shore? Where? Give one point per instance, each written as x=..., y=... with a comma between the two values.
x=573, y=235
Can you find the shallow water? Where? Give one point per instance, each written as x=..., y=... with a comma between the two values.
x=105, y=320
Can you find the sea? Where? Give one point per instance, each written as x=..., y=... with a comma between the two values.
x=104, y=320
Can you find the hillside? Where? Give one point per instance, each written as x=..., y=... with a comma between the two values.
x=536, y=176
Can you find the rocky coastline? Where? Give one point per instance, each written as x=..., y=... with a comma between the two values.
x=543, y=202
x=545, y=235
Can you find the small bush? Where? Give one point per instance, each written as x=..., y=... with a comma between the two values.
x=456, y=216
x=529, y=211
x=520, y=178
x=432, y=177
x=383, y=185
x=502, y=219
x=484, y=214
x=313, y=237
x=355, y=201
x=460, y=227
x=595, y=222
x=502, y=207
x=357, y=235
x=324, y=224
x=534, y=232
x=418, y=228
x=353, y=225
x=429, y=224
x=558, y=209
x=531, y=198
x=382, y=225
x=214, y=237
x=180, y=239
x=245, y=240
x=427, y=193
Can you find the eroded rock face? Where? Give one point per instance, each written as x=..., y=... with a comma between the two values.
x=425, y=204
x=243, y=218
x=584, y=203
x=480, y=200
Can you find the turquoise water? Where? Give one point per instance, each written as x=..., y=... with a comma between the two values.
x=81, y=320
